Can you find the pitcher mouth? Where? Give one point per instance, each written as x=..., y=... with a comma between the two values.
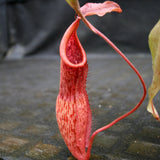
x=71, y=50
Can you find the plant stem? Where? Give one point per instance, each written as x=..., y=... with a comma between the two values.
x=96, y=31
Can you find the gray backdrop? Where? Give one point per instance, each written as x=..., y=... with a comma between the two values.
x=30, y=27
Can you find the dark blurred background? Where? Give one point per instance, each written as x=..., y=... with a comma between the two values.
x=29, y=27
